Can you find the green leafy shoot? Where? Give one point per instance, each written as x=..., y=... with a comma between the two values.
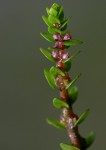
x=73, y=94
x=47, y=55
x=48, y=37
x=58, y=103
x=82, y=117
x=55, y=71
x=73, y=56
x=50, y=78
x=90, y=139
x=72, y=42
x=55, y=123
x=68, y=147
x=73, y=81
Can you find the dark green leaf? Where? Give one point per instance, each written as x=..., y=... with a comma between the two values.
x=73, y=56
x=48, y=37
x=72, y=42
x=53, y=19
x=55, y=123
x=67, y=65
x=46, y=20
x=47, y=55
x=47, y=10
x=68, y=147
x=56, y=6
x=73, y=81
x=61, y=14
x=90, y=139
x=58, y=103
x=65, y=22
x=50, y=78
x=73, y=94
x=82, y=117
x=55, y=71
x=53, y=12
x=53, y=30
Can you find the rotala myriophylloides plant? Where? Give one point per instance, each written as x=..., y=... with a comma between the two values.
x=58, y=78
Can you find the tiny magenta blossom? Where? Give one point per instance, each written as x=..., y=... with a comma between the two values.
x=67, y=37
x=65, y=55
x=55, y=54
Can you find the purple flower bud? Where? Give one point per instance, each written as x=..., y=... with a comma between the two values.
x=67, y=37
x=55, y=54
x=65, y=55
x=55, y=45
x=55, y=36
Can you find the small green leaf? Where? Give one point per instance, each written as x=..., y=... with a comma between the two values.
x=90, y=139
x=55, y=123
x=55, y=71
x=72, y=42
x=53, y=30
x=56, y=6
x=67, y=65
x=73, y=94
x=53, y=19
x=65, y=22
x=82, y=117
x=58, y=103
x=50, y=78
x=68, y=147
x=48, y=37
x=73, y=81
x=47, y=55
x=52, y=49
x=47, y=10
x=73, y=56
x=46, y=20
x=53, y=12
x=61, y=14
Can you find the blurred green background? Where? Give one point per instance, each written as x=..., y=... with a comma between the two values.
x=25, y=96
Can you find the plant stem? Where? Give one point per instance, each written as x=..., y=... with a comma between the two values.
x=68, y=117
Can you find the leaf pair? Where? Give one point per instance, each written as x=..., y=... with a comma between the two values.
x=89, y=140
x=51, y=74
x=56, y=11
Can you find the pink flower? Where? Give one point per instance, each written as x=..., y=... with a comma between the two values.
x=55, y=54
x=67, y=37
x=55, y=36
x=65, y=55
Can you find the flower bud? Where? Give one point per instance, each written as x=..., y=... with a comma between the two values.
x=65, y=55
x=55, y=54
x=67, y=37
x=55, y=36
